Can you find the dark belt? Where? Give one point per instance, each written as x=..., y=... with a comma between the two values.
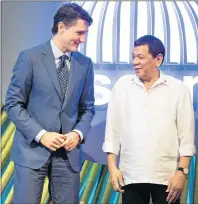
x=60, y=153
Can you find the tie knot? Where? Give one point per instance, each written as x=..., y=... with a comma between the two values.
x=63, y=57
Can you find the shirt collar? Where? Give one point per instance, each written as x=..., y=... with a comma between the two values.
x=162, y=79
x=57, y=52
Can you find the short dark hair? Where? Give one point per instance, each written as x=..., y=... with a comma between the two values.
x=155, y=45
x=69, y=13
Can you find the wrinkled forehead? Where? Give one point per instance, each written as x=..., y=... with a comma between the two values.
x=141, y=49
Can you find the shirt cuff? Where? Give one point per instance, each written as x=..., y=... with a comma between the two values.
x=79, y=133
x=109, y=147
x=187, y=150
x=40, y=134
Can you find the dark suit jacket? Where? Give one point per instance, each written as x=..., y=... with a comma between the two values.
x=34, y=102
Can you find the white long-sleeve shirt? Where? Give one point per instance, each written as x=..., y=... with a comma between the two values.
x=150, y=129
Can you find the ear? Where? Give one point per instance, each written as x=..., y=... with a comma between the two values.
x=159, y=59
x=61, y=27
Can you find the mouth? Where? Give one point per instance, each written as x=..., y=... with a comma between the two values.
x=137, y=69
x=76, y=44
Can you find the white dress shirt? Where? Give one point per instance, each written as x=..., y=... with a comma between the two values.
x=57, y=54
x=151, y=129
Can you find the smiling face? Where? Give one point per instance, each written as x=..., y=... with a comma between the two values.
x=144, y=64
x=69, y=38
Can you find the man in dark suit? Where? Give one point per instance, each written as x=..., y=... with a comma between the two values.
x=50, y=99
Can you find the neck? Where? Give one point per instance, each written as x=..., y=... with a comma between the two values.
x=59, y=44
x=150, y=80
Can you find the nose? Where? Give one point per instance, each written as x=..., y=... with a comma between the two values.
x=82, y=38
x=135, y=61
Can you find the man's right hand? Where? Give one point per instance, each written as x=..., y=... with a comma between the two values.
x=117, y=180
x=52, y=140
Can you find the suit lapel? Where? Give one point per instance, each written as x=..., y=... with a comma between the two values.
x=48, y=61
x=74, y=75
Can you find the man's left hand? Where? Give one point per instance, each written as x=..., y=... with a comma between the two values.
x=175, y=186
x=72, y=139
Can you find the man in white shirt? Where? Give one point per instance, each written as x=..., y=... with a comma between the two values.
x=50, y=99
x=150, y=121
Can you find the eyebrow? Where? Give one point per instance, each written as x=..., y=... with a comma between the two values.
x=81, y=31
x=142, y=55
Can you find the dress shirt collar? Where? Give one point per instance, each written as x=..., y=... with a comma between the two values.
x=161, y=80
x=57, y=52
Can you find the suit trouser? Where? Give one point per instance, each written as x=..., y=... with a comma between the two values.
x=140, y=194
x=64, y=181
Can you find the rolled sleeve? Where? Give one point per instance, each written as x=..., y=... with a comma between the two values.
x=187, y=150
x=110, y=147
x=112, y=140
x=186, y=124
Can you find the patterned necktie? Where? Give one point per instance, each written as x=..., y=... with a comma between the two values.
x=63, y=74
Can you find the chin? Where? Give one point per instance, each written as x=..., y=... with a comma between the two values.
x=74, y=49
x=139, y=75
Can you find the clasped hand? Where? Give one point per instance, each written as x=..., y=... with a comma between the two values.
x=54, y=141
